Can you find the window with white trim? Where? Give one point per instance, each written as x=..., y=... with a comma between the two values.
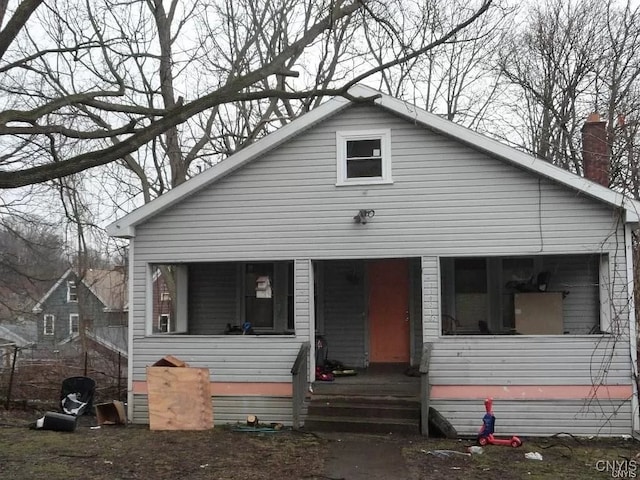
x=72, y=292
x=364, y=157
x=49, y=324
x=164, y=323
x=74, y=323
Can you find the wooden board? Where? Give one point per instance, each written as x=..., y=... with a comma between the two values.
x=170, y=361
x=179, y=398
x=538, y=313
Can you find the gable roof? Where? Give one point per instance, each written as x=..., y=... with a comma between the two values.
x=113, y=338
x=20, y=334
x=125, y=227
x=109, y=286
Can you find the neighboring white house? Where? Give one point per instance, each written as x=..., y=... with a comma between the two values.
x=385, y=228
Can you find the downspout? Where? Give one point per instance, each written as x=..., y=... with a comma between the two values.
x=628, y=241
x=130, y=352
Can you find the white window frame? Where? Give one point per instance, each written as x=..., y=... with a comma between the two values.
x=49, y=318
x=342, y=137
x=165, y=297
x=71, y=285
x=168, y=317
x=179, y=302
x=73, y=316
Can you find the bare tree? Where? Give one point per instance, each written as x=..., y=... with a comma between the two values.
x=63, y=115
x=456, y=79
x=617, y=95
x=31, y=259
x=571, y=59
x=553, y=63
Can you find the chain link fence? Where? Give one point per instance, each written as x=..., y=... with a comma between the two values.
x=28, y=382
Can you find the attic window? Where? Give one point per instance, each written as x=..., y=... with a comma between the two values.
x=364, y=157
x=72, y=292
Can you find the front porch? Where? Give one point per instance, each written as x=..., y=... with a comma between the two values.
x=376, y=315
x=377, y=380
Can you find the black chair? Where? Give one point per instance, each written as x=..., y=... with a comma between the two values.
x=76, y=395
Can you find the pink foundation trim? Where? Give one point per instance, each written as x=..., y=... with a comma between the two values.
x=222, y=389
x=530, y=392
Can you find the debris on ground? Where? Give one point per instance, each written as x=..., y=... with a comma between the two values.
x=445, y=453
x=59, y=422
x=533, y=456
x=254, y=425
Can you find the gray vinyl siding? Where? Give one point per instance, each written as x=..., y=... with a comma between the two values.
x=430, y=298
x=213, y=297
x=230, y=358
x=530, y=360
x=512, y=361
x=345, y=311
x=303, y=301
x=231, y=409
x=446, y=199
x=540, y=418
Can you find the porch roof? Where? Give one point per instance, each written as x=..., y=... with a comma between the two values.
x=125, y=227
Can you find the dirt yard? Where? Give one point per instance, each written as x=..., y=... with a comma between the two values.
x=134, y=452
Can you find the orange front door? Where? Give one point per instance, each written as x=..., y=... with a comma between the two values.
x=388, y=311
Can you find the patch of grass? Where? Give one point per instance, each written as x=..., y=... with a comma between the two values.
x=135, y=452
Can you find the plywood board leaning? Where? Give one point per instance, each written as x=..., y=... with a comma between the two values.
x=179, y=398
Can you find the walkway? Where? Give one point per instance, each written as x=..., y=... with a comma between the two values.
x=364, y=457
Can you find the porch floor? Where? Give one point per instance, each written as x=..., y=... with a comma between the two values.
x=379, y=379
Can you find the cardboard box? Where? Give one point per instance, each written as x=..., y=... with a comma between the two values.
x=111, y=413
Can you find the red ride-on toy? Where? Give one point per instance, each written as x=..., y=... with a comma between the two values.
x=485, y=435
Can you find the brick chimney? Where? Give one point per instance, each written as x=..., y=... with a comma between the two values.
x=595, y=150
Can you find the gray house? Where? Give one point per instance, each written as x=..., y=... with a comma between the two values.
x=94, y=302
x=386, y=229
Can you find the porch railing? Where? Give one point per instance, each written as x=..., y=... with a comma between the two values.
x=300, y=381
x=424, y=388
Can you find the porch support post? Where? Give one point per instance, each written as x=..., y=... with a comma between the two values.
x=430, y=298
x=304, y=307
x=431, y=328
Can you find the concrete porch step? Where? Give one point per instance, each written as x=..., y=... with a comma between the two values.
x=365, y=408
x=361, y=425
x=367, y=389
x=362, y=414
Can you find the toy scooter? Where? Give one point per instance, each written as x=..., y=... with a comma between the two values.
x=485, y=435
